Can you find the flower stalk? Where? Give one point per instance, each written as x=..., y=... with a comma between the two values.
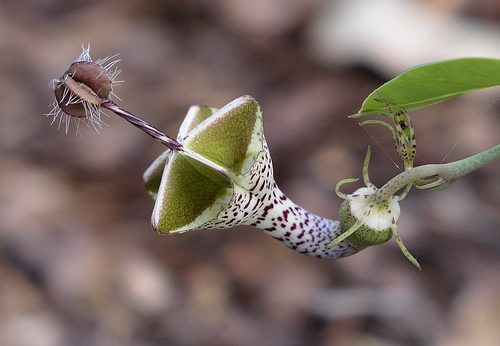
x=167, y=141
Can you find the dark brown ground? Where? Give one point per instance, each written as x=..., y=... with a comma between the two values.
x=79, y=263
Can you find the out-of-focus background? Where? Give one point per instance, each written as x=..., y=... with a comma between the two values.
x=79, y=264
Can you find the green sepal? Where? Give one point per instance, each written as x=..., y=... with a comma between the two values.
x=195, y=115
x=152, y=175
x=230, y=136
x=189, y=195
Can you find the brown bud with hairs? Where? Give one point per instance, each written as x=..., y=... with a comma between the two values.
x=82, y=89
x=83, y=82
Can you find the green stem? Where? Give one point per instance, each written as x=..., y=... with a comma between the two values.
x=437, y=176
x=462, y=167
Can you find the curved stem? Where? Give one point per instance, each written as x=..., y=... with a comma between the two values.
x=437, y=176
x=465, y=166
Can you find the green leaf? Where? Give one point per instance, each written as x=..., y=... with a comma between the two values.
x=435, y=82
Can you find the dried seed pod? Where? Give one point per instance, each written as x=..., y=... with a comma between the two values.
x=82, y=89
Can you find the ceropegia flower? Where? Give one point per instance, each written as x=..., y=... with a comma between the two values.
x=218, y=173
x=222, y=176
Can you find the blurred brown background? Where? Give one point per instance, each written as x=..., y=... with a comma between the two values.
x=79, y=264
